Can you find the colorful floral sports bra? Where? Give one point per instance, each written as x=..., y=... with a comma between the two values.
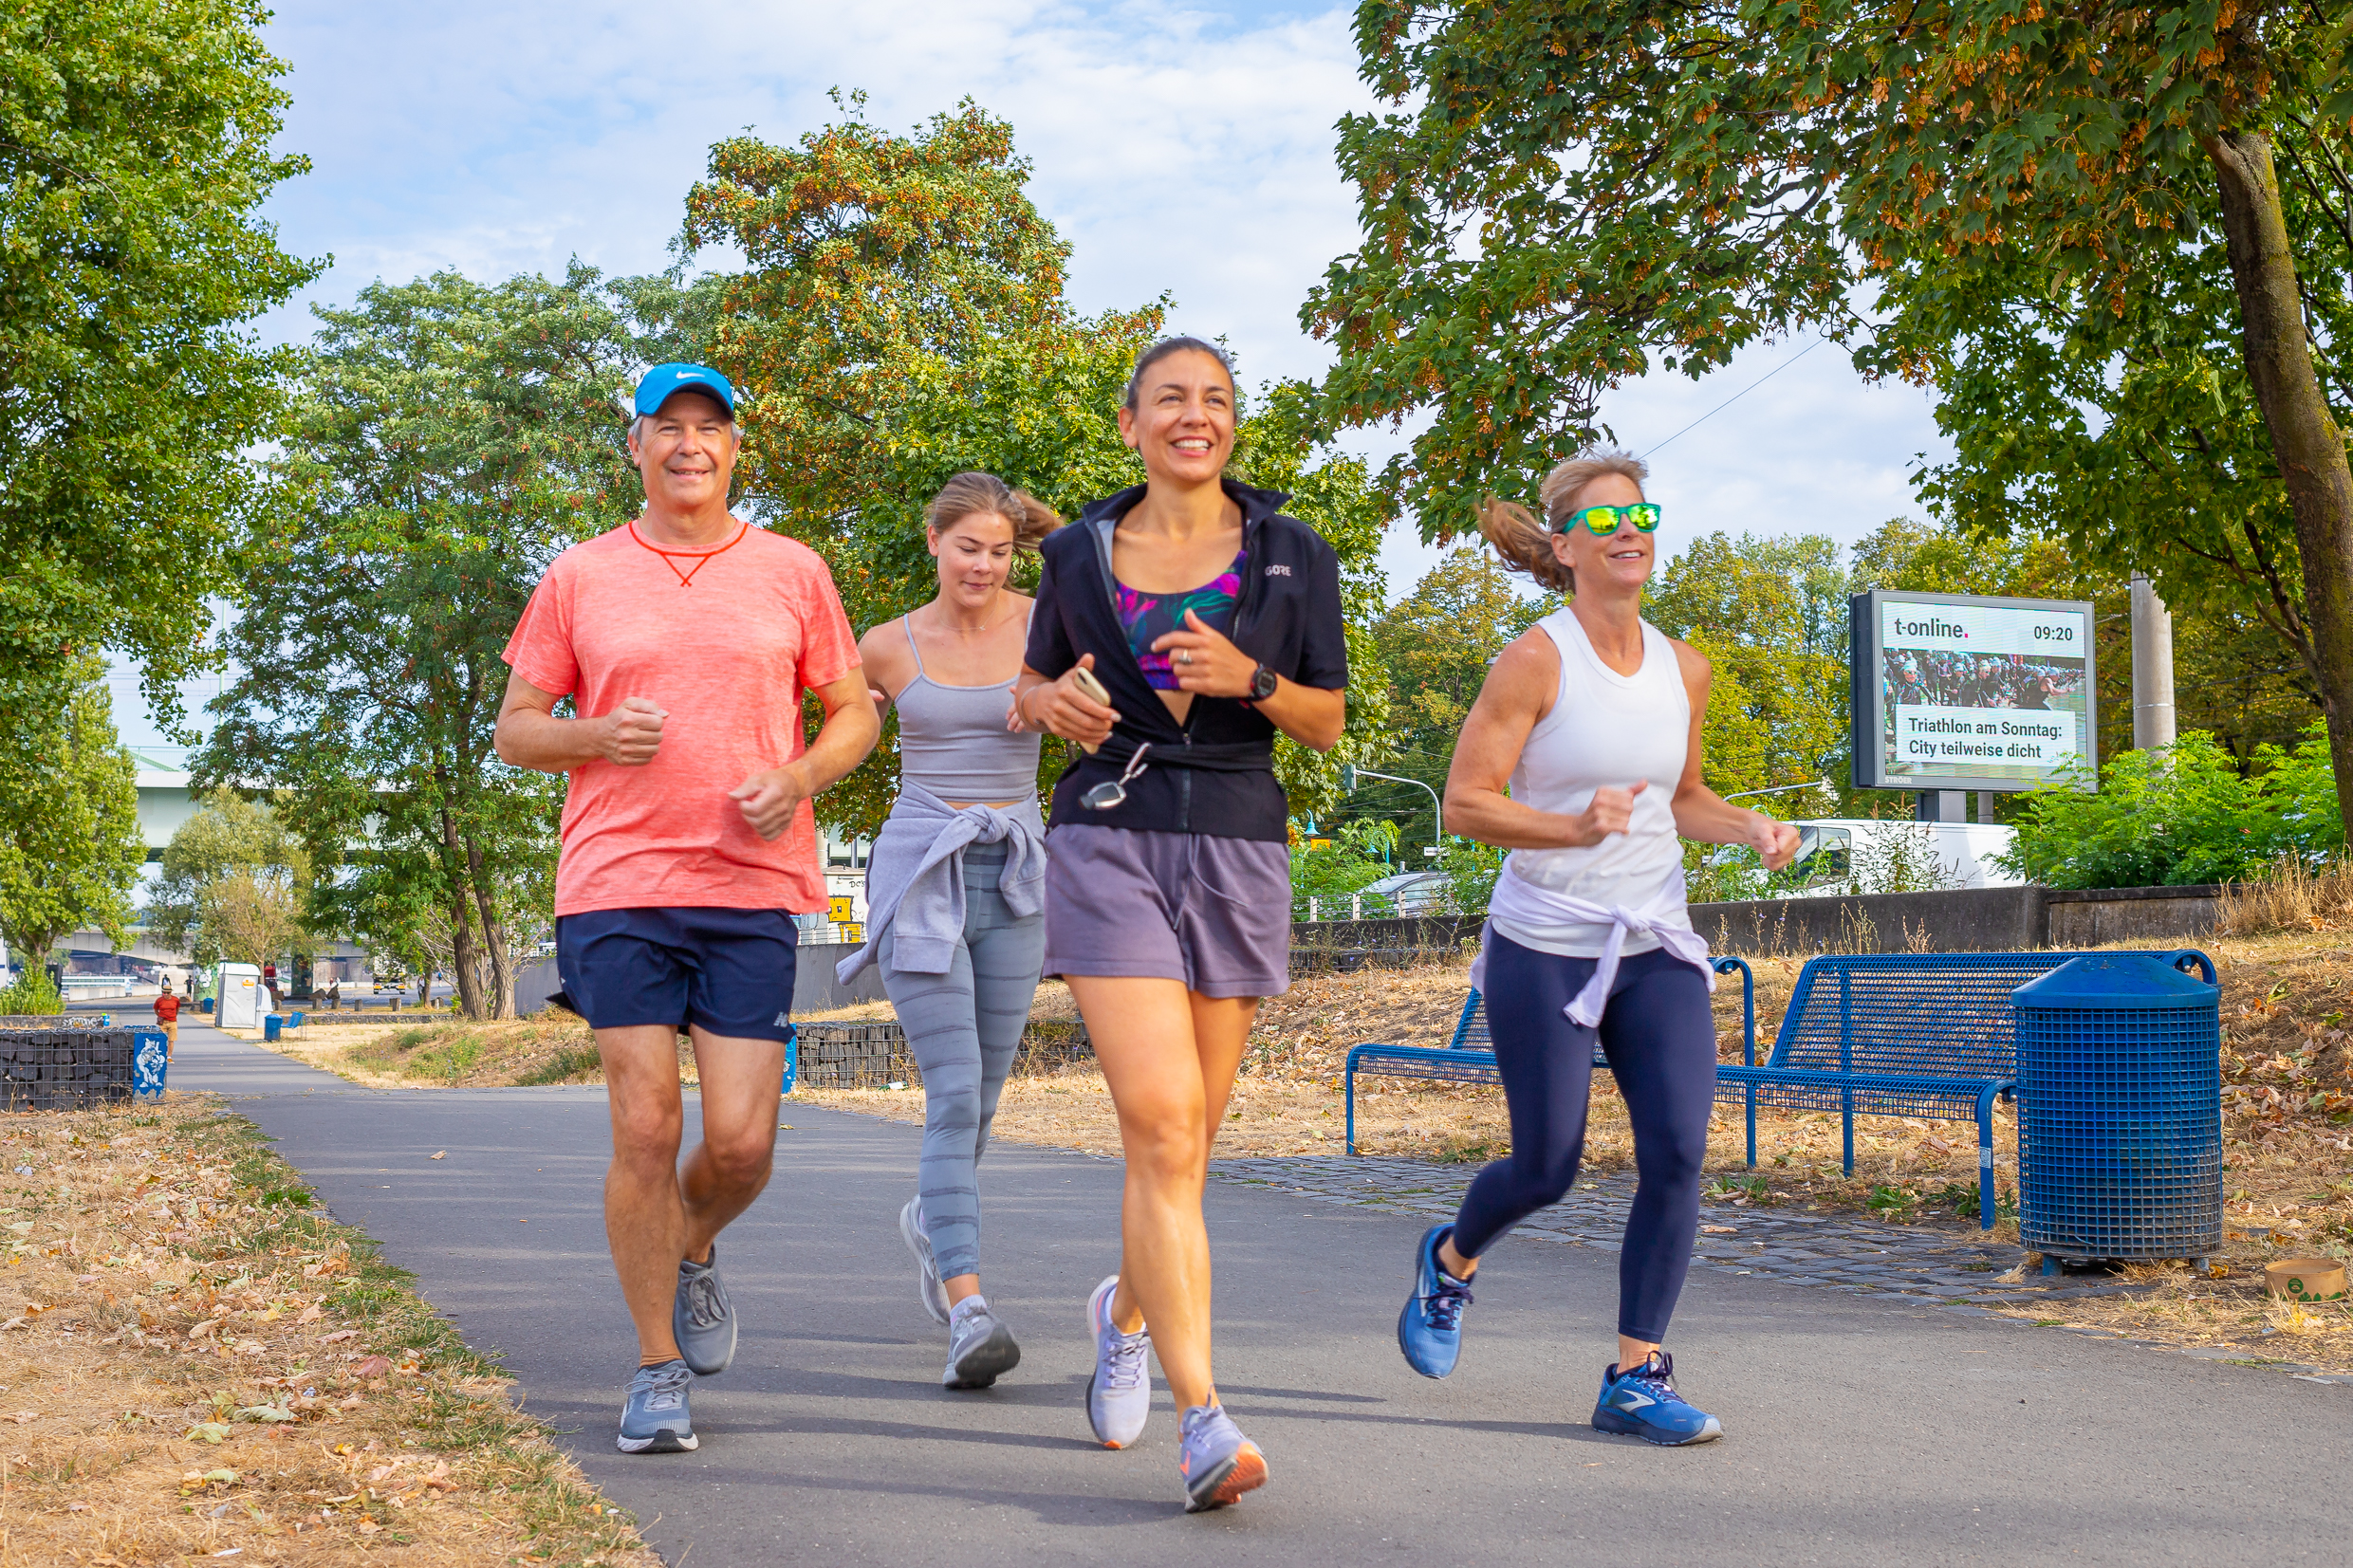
x=1148, y=617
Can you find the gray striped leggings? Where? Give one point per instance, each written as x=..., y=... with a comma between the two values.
x=964, y=1028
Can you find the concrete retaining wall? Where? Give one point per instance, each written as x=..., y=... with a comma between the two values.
x=1959, y=920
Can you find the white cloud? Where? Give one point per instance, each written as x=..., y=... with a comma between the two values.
x=1181, y=150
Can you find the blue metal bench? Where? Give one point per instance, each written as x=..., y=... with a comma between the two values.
x=1470, y=1056
x=1926, y=1035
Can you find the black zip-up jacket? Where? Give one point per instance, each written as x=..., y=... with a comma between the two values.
x=1215, y=774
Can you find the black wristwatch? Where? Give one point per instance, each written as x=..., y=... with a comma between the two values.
x=1262, y=684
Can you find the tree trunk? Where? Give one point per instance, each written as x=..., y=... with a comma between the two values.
x=493, y=934
x=461, y=925
x=2304, y=439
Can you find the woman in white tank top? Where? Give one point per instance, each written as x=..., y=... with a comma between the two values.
x=1594, y=717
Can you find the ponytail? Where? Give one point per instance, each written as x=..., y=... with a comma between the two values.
x=1524, y=545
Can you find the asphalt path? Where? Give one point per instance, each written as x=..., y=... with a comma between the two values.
x=1860, y=1432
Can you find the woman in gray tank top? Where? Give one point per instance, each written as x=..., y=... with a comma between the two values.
x=956, y=883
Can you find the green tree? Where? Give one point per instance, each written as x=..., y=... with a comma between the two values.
x=135, y=156
x=232, y=884
x=1435, y=644
x=1770, y=615
x=448, y=439
x=70, y=847
x=903, y=318
x=1584, y=184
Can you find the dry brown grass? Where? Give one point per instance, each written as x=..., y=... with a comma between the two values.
x=194, y=1364
x=2290, y=897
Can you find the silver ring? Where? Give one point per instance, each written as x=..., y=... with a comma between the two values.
x=1184, y=656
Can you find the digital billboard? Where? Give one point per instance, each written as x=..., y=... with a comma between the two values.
x=1960, y=692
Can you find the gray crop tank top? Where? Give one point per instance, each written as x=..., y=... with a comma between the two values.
x=953, y=739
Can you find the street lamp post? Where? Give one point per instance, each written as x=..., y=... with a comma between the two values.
x=1349, y=773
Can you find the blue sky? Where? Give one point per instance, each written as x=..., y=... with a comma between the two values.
x=1178, y=149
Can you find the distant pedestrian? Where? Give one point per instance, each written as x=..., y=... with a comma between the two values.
x=685, y=639
x=167, y=1019
x=1582, y=756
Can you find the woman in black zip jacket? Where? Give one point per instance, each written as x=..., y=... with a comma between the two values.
x=1212, y=620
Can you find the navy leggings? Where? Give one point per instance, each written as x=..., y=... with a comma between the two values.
x=1659, y=1038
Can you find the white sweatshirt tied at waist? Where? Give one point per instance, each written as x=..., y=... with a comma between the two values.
x=915, y=877
x=1667, y=917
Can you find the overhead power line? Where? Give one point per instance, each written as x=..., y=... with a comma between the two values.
x=1742, y=393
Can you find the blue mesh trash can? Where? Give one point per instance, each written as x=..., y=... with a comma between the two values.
x=2120, y=1109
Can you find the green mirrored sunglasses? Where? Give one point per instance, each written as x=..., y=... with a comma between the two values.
x=1604, y=521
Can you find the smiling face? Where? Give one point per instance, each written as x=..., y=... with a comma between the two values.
x=1624, y=558
x=975, y=553
x=686, y=451
x=1182, y=424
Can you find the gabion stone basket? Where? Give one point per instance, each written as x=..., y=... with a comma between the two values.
x=2120, y=1109
x=65, y=1069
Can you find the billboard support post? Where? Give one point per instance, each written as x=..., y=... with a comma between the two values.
x=1942, y=805
x=2153, y=667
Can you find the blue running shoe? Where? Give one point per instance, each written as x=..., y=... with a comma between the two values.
x=700, y=1319
x=1430, y=1328
x=1643, y=1403
x=654, y=1419
x=1217, y=1462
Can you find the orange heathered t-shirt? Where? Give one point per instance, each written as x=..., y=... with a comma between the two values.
x=727, y=654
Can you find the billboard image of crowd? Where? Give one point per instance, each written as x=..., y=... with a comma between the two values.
x=1973, y=693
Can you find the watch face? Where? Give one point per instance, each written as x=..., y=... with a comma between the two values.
x=1262, y=683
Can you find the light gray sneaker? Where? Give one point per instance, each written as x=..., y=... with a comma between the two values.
x=1118, y=1396
x=701, y=1321
x=1217, y=1462
x=653, y=1417
x=927, y=1271
x=980, y=1349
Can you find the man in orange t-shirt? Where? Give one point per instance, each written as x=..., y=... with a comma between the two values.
x=685, y=639
x=167, y=1019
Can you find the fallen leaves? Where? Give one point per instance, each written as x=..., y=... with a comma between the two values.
x=374, y=1366
x=339, y=1336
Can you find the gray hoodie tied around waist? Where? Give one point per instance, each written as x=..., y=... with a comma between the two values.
x=915, y=877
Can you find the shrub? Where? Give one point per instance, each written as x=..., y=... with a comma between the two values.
x=2184, y=815
x=33, y=992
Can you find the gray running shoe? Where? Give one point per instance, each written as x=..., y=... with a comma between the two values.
x=654, y=1418
x=927, y=1275
x=980, y=1349
x=1217, y=1462
x=701, y=1321
x=1118, y=1396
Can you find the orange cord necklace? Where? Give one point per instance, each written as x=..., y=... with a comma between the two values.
x=700, y=558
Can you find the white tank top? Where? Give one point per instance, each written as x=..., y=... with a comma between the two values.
x=1604, y=728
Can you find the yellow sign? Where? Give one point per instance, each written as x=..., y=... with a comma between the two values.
x=838, y=908
x=852, y=931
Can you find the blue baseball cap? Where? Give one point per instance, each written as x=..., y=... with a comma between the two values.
x=660, y=384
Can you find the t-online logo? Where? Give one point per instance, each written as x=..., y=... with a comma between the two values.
x=1929, y=628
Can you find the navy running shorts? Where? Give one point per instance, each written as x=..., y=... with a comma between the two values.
x=728, y=970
